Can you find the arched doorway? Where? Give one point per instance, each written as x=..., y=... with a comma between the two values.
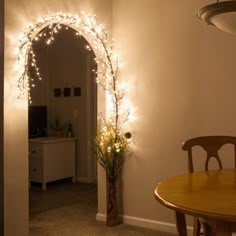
x=66, y=66
x=85, y=25
x=68, y=93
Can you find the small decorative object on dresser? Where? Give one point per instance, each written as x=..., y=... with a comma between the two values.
x=59, y=128
x=69, y=131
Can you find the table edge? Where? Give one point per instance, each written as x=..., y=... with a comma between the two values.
x=188, y=211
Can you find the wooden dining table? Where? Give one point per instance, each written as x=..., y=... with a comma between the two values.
x=209, y=194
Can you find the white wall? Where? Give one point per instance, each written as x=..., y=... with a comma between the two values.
x=19, y=13
x=182, y=77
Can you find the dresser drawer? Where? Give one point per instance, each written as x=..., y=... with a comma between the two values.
x=35, y=170
x=35, y=151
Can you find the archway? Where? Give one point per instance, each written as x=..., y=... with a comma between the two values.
x=66, y=63
x=68, y=95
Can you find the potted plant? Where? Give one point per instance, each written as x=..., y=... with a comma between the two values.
x=59, y=128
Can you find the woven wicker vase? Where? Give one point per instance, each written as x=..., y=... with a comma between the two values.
x=112, y=207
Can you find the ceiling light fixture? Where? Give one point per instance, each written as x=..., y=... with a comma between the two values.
x=220, y=14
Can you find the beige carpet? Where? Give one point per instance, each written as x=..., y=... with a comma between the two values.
x=67, y=209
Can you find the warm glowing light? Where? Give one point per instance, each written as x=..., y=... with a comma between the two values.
x=46, y=30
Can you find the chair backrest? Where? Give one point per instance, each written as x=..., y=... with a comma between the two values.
x=211, y=144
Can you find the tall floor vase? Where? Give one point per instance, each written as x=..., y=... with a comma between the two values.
x=112, y=207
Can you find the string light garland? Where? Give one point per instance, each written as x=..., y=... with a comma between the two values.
x=85, y=25
x=110, y=140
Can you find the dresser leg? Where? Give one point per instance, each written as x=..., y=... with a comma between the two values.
x=181, y=224
x=44, y=186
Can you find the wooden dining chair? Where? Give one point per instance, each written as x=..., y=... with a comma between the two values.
x=211, y=144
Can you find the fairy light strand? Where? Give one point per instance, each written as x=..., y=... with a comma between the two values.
x=47, y=29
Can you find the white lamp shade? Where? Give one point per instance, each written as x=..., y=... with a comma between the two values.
x=220, y=14
x=225, y=22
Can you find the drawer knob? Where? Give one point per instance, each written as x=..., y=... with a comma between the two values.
x=34, y=169
x=34, y=151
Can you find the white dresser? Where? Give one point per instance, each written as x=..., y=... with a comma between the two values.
x=51, y=159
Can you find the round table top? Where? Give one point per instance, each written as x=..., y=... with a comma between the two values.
x=210, y=194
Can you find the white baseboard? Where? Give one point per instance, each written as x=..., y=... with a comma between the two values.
x=146, y=223
x=83, y=180
x=101, y=217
